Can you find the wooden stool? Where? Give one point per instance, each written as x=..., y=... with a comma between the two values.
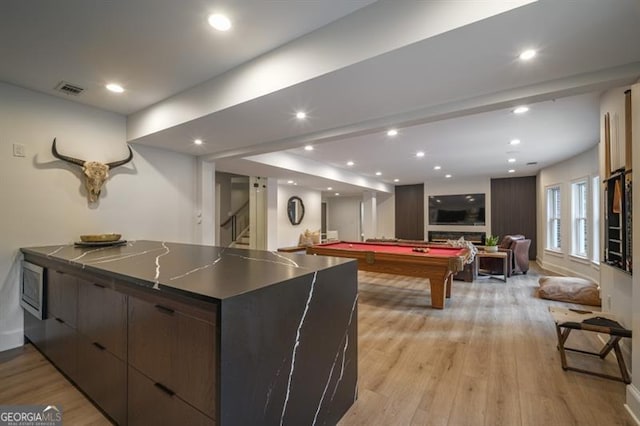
x=598, y=322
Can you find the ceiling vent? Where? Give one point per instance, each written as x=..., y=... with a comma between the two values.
x=69, y=89
x=532, y=163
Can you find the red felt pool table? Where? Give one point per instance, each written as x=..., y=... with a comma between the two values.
x=438, y=263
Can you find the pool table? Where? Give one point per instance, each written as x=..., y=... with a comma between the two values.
x=438, y=263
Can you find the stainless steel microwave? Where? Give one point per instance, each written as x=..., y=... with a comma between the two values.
x=32, y=289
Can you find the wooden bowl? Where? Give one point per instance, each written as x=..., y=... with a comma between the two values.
x=100, y=238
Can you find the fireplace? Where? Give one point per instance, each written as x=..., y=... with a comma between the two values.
x=442, y=236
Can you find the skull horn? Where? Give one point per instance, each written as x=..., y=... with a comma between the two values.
x=71, y=160
x=121, y=162
x=79, y=162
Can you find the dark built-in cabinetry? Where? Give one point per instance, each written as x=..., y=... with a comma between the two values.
x=617, y=249
x=143, y=359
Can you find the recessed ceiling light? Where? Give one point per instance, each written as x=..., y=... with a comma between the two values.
x=350, y=163
x=512, y=170
x=511, y=160
x=301, y=115
x=392, y=132
x=289, y=181
x=471, y=199
x=436, y=167
x=447, y=176
x=308, y=148
x=419, y=154
x=198, y=141
x=396, y=180
x=329, y=188
x=527, y=54
x=521, y=110
x=514, y=142
x=337, y=193
x=219, y=22
x=115, y=88
x=295, y=183
x=378, y=173
x=438, y=200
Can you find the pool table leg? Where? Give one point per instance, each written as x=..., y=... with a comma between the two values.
x=440, y=288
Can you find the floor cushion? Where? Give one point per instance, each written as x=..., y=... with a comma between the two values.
x=570, y=289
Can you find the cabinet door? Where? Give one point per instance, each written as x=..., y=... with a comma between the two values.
x=61, y=346
x=103, y=377
x=154, y=404
x=175, y=350
x=62, y=297
x=153, y=342
x=102, y=317
x=34, y=330
x=197, y=354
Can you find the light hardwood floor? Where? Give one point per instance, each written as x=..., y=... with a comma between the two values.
x=488, y=358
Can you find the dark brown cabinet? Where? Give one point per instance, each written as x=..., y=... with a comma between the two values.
x=102, y=317
x=61, y=347
x=60, y=326
x=62, y=297
x=103, y=377
x=102, y=347
x=156, y=405
x=173, y=346
x=143, y=359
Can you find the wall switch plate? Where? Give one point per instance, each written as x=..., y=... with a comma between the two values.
x=18, y=150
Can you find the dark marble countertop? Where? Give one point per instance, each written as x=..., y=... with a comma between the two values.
x=204, y=272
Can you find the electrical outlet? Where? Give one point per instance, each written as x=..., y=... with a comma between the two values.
x=18, y=150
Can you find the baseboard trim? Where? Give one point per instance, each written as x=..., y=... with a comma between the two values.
x=551, y=267
x=633, y=403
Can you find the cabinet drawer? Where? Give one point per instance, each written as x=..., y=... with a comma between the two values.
x=174, y=349
x=62, y=296
x=102, y=316
x=152, y=404
x=103, y=377
x=62, y=346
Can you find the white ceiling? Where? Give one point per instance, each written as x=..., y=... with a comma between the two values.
x=450, y=95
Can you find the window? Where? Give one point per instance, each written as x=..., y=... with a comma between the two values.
x=579, y=218
x=595, y=234
x=553, y=218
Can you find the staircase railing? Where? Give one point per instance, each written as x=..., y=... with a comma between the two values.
x=239, y=220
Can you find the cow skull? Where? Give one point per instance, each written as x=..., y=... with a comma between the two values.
x=95, y=173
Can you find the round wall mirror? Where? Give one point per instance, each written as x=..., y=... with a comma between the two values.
x=295, y=210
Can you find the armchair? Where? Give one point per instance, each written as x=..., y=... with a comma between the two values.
x=517, y=249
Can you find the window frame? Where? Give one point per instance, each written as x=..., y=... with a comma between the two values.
x=552, y=217
x=580, y=217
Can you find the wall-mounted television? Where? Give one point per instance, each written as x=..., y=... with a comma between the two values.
x=462, y=209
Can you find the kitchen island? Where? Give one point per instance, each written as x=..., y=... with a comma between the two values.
x=165, y=333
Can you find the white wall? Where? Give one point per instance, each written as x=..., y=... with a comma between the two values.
x=584, y=165
x=452, y=187
x=288, y=234
x=43, y=199
x=386, y=215
x=343, y=215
